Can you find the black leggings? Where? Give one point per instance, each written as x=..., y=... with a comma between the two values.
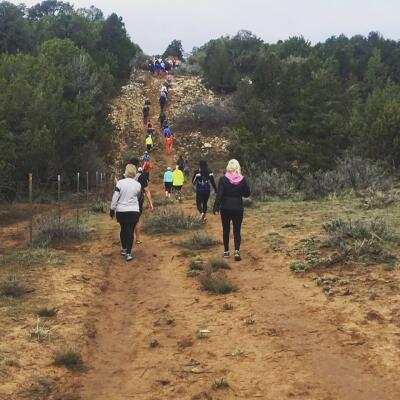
x=201, y=201
x=236, y=216
x=126, y=236
x=127, y=228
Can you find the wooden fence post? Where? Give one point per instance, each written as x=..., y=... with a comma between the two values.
x=30, y=208
x=59, y=196
x=87, y=185
x=77, y=201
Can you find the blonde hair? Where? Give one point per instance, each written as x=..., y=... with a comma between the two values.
x=130, y=171
x=234, y=167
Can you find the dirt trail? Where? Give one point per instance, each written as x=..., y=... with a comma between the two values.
x=280, y=340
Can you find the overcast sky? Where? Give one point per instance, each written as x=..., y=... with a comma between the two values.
x=153, y=24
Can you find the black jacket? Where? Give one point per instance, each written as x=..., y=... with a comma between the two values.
x=229, y=196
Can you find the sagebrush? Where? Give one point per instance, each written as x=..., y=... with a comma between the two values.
x=199, y=241
x=205, y=117
x=168, y=220
x=217, y=282
x=55, y=230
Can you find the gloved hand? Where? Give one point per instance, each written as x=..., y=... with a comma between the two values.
x=112, y=214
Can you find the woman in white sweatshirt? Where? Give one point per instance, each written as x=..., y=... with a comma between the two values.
x=125, y=206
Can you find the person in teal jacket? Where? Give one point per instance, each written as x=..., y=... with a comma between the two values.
x=168, y=182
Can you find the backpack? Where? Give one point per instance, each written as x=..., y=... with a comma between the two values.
x=167, y=132
x=202, y=182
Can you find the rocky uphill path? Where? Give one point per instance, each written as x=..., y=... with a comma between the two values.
x=277, y=340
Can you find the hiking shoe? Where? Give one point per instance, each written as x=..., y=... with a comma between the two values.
x=237, y=255
x=123, y=252
x=129, y=257
x=226, y=254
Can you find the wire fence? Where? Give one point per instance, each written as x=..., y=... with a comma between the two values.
x=62, y=196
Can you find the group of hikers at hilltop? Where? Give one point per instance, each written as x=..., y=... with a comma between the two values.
x=160, y=66
x=128, y=198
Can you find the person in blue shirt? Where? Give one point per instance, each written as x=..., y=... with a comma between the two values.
x=168, y=182
x=167, y=132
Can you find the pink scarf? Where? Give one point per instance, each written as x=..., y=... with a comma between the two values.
x=234, y=179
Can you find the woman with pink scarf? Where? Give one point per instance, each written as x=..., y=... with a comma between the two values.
x=232, y=187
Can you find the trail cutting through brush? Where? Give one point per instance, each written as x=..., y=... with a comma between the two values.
x=279, y=340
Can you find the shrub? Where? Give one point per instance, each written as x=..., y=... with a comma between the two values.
x=197, y=264
x=100, y=206
x=351, y=173
x=192, y=273
x=12, y=287
x=249, y=203
x=313, y=261
x=40, y=331
x=188, y=69
x=360, y=238
x=153, y=343
x=272, y=183
x=199, y=241
x=339, y=230
x=205, y=117
x=169, y=220
x=217, y=282
x=70, y=359
x=217, y=264
x=53, y=230
x=33, y=256
x=162, y=201
x=379, y=199
x=47, y=312
x=219, y=384
x=320, y=184
x=11, y=362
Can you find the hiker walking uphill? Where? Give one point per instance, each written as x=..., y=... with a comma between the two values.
x=162, y=101
x=232, y=187
x=181, y=163
x=149, y=142
x=145, y=192
x=168, y=179
x=162, y=117
x=125, y=206
x=202, y=180
x=167, y=131
x=168, y=145
x=146, y=112
x=150, y=130
x=178, y=180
